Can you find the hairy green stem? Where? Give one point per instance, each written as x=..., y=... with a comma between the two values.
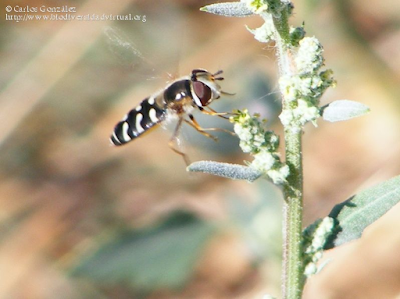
x=292, y=250
x=292, y=272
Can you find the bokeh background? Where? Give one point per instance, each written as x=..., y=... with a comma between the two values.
x=82, y=219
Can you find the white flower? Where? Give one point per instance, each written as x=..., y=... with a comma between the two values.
x=309, y=57
x=244, y=133
x=263, y=161
x=286, y=117
x=316, y=247
x=278, y=176
x=256, y=6
x=305, y=112
x=287, y=85
x=311, y=269
x=265, y=33
x=262, y=144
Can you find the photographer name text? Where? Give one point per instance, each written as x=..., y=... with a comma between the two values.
x=43, y=8
x=26, y=13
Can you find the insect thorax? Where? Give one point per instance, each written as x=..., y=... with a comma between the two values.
x=178, y=97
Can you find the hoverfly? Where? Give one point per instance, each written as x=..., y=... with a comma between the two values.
x=177, y=100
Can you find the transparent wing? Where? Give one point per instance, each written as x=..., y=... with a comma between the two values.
x=121, y=45
x=128, y=53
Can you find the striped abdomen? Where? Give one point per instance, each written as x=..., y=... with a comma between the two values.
x=140, y=119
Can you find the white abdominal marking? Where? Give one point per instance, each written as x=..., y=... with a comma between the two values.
x=152, y=115
x=139, y=127
x=125, y=128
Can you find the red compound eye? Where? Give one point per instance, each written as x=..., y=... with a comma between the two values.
x=203, y=92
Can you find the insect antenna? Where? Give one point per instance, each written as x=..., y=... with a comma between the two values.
x=218, y=73
x=227, y=93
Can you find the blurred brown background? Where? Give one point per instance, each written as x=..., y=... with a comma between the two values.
x=65, y=192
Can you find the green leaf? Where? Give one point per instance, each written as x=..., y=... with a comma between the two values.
x=228, y=9
x=355, y=214
x=343, y=110
x=159, y=257
x=226, y=170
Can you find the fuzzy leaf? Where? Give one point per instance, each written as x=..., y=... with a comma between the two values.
x=159, y=257
x=355, y=214
x=343, y=110
x=228, y=9
x=226, y=170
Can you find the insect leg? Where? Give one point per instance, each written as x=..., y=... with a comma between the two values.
x=201, y=130
x=174, y=140
x=211, y=111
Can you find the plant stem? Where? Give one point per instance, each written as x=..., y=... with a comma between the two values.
x=292, y=272
x=292, y=251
